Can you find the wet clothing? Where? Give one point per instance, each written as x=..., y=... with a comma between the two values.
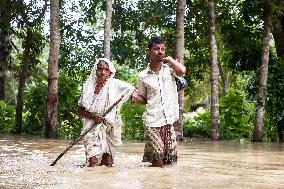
x=106, y=136
x=160, y=90
x=160, y=144
x=162, y=110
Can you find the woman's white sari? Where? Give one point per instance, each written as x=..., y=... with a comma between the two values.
x=104, y=137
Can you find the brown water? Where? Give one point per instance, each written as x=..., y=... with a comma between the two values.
x=25, y=163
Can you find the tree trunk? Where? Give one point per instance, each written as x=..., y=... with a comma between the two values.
x=2, y=81
x=257, y=133
x=5, y=51
x=22, y=82
x=224, y=78
x=178, y=125
x=107, y=29
x=278, y=30
x=52, y=96
x=214, y=74
x=280, y=127
x=5, y=46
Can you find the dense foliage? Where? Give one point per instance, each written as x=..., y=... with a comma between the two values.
x=236, y=118
x=239, y=39
x=7, y=120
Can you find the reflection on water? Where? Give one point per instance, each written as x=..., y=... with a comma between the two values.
x=25, y=163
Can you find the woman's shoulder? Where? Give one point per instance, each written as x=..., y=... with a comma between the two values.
x=119, y=83
x=116, y=81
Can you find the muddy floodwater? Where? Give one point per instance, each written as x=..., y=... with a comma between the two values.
x=25, y=163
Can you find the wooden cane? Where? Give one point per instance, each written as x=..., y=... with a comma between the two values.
x=82, y=135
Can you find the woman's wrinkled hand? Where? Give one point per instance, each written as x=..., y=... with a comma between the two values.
x=98, y=118
x=136, y=97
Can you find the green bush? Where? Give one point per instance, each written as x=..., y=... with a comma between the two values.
x=69, y=125
x=35, y=108
x=270, y=130
x=236, y=116
x=236, y=119
x=132, y=128
x=198, y=126
x=7, y=117
x=274, y=108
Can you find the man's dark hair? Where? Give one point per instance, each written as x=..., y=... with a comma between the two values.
x=155, y=40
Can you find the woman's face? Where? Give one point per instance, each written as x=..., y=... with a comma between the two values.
x=103, y=72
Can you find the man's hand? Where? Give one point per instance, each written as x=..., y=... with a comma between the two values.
x=179, y=68
x=168, y=60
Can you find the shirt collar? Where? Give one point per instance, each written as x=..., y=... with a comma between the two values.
x=152, y=72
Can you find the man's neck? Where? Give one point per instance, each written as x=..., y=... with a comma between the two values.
x=155, y=66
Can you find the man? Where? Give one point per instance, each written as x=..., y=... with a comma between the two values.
x=156, y=84
x=100, y=91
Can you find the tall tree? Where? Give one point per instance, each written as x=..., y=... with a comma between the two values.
x=28, y=44
x=5, y=43
x=22, y=80
x=214, y=74
x=52, y=96
x=180, y=11
x=278, y=28
x=257, y=133
x=107, y=29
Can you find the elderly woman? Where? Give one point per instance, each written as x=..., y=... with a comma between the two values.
x=100, y=91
